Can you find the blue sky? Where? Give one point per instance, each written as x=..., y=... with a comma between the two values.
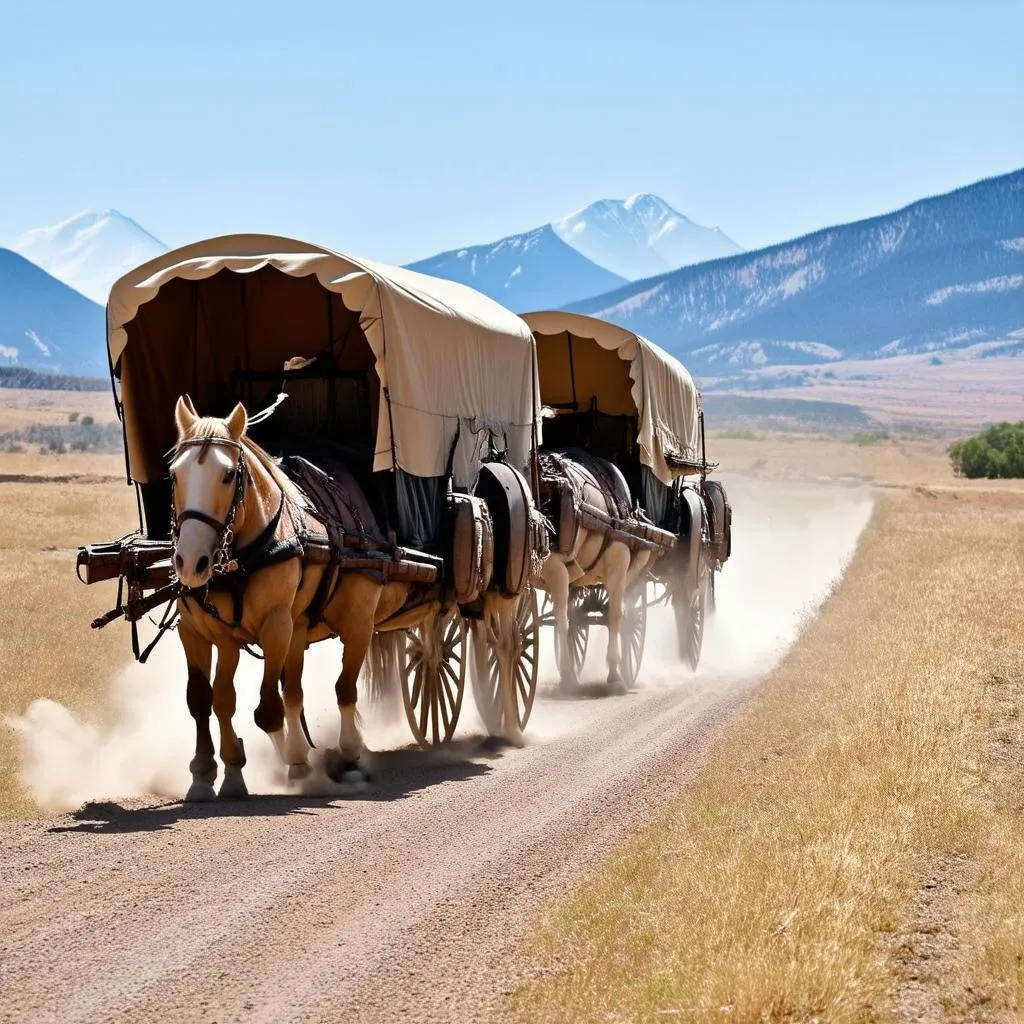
x=395, y=130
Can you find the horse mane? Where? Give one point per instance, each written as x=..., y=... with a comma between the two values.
x=210, y=426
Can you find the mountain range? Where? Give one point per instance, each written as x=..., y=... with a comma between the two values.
x=45, y=325
x=641, y=236
x=944, y=272
x=535, y=270
x=590, y=251
x=89, y=251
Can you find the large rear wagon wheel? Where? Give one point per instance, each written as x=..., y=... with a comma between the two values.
x=526, y=667
x=433, y=661
x=632, y=634
x=689, y=611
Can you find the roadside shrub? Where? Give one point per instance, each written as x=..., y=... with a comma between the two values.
x=87, y=421
x=996, y=453
x=72, y=417
x=873, y=438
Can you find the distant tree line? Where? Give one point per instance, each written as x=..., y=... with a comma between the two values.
x=32, y=380
x=996, y=453
x=78, y=435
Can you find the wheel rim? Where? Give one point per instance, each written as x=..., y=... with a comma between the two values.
x=695, y=638
x=525, y=671
x=632, y=634
x=434, y=678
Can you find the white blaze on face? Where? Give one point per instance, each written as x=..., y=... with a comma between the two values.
x=201, y=486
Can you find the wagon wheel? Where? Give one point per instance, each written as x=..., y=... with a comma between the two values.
x=525, y=670
x=632, y=633
x=657, y=593
x=434, y=677
x=689, y=611
x=579, y=628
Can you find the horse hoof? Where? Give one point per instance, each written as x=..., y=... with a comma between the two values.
x=200, y=793
x=343, y=769
x=233, y=787
x=298, y=772
x=616, y=688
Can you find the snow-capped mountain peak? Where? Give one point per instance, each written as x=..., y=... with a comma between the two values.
x=641, y=236
x=90, y=250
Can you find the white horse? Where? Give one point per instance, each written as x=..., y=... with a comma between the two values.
x=591, y=557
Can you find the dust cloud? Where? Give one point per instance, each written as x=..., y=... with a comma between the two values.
x=791, y=543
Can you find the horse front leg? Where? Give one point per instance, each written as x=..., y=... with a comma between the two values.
x=296, y=744
x=616, y=572
x=556, y=581
x=232, y=750
x=199, y=696
x=275, y=638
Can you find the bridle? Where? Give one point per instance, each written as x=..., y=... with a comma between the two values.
x=223, y=562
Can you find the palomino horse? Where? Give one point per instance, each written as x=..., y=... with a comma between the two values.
x=237, y=519
x=590, y=556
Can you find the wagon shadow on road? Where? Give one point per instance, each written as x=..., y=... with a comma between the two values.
x=585, y=691
x=397, y=774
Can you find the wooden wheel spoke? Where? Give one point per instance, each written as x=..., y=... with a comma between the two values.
x=442, y=705
x=424, y=711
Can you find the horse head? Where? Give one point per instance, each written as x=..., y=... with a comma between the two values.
x=208, y=479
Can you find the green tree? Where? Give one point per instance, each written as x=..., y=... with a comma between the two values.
x=995, y=453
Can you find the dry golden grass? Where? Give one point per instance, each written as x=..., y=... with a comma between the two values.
x=895, y=463
x=98, y=466
x=20, y=407
x=963, y=390
x=46, y=645
x=778, y=886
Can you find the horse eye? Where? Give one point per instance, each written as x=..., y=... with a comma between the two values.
x=229, y=476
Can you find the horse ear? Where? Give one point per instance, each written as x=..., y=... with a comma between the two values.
x=185, y=415
x=237, y=422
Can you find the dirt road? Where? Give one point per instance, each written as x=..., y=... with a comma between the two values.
x=405, y=903
x=399, y=905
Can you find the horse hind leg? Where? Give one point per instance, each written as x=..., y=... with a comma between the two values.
x=199, y=695
x=505, y=632
x=351, y=616
x=615, y=571
x=556, y=580
x=232, y=750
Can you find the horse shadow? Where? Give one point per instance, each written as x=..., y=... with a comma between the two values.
x=396, y=775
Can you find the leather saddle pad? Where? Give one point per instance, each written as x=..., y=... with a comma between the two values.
x=334, y=496
x=593, y=480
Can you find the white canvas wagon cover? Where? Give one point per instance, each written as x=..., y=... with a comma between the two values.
x=452, y=364
x=658, y=388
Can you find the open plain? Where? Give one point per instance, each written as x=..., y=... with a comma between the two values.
x=816, y=823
